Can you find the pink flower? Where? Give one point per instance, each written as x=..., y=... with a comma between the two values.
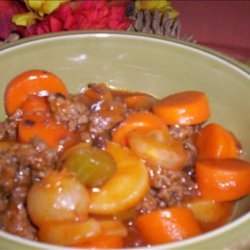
x=89, y=14
x=8, y=8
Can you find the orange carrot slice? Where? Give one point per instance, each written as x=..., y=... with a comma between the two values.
x=103, y=241
x=98, y=92
x=34, y=103
x=224, y=179
x=184, y=108
x=213, y=141
x=167, y=225
x=139, y=101
x=46, y=128
x=37, y=82
x=141, y=122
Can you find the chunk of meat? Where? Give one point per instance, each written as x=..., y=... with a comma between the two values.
x=168, y=188
x=8, y=128
x=104, y=115
x=16, y=221
x=20, y=167
x=71, y=111
x=186, y=134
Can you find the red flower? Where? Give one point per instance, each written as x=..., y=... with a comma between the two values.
x=8, y=8
x=89, y=14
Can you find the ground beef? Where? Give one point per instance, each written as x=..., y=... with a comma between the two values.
x=186, y=135
x=71, y=111
x=92, y=119
x=149, y=203
x=168, y=188
x=15, y=221
x=20, y=166
x=100, y=140
x=173, y=186
x=8, y=128
x=104, y=116
x=184, y=132
x=133, y=238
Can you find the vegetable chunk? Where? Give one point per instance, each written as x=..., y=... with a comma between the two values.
x=223, y=180
x=126, y=187
x=167, y=225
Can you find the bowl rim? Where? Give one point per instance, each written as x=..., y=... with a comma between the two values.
x=183, y=243
x=139, y=35
x=243, y=69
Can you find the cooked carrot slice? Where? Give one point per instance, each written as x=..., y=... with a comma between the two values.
x=37, y=82
x=213, y=141
x=223, y=179
x=167, y=225
x=141, y=122
x=139, y=101
x=46, y=128
x=103, y=241
x=98, y=92
x=184, y=108
x=34, y=103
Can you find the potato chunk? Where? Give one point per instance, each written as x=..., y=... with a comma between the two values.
x=125, y=188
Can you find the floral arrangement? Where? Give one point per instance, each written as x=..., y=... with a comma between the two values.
x=35, y=17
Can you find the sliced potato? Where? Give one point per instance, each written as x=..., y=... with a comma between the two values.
x=69, y=232
x=126, y=187
x=210, y=214
x=158, y=149
x=113, y=228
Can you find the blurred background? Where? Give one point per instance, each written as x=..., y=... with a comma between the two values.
x=223, y=25
x=220, y=24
